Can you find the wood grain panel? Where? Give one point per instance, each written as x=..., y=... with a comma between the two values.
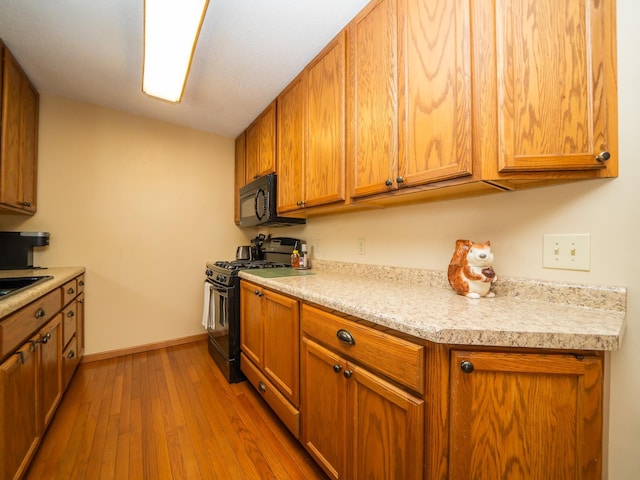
x=554, y=93
x=373, y=99
x=326, y=153
x=434, y=90
x=526, y=416
x=291, y=130
x=386, y=429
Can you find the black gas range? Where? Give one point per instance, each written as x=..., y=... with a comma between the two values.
x=222, y=301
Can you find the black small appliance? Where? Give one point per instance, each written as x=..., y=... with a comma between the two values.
x=259, y=204
x=16, y=248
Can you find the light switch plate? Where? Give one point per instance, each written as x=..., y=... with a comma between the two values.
x=567, y=251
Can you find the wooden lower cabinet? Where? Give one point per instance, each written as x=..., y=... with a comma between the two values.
x=50, y=376
x=269, y=340
x=525, y=415
x=19, y=423
x=34, y=376
x=355, y=424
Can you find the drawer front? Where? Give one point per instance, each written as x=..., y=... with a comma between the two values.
x=289, y=415
x=19, y=326
x=69, y=291
x=80, y=280
x=70, y=315
x=394, y=357
x=70, y=360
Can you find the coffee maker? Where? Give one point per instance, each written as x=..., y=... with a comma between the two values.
x=16, y=248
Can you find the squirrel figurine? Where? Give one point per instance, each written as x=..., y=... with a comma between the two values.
x=470, y=272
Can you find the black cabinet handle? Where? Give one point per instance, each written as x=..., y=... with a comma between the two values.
x=467, y=366
x=70, y=313
x=46, y=338
x=71, y=354
x=39, y=313
x=26, y=204
x=400, y=179
x=337, y=368
x=345, y=336
x=71, y=291
x=348, y=373
x=262, y=387
x=81, y=283
x=603, y=157
x=388, y=183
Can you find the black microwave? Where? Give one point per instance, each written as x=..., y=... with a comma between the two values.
x=259, y=204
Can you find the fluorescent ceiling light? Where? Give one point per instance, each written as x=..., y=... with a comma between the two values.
x=171, y=29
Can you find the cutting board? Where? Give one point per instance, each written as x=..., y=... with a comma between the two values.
x=279, y=272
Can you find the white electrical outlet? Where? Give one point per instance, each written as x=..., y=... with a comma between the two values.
x=567, y=251
x=362, y=246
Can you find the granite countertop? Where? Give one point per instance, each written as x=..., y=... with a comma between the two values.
x=14, y=302
x=524, y=313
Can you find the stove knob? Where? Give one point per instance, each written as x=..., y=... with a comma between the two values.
x=220, y=278
x=208, y=272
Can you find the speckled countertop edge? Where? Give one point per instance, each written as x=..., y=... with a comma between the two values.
x=14, y=302
x=524, y=313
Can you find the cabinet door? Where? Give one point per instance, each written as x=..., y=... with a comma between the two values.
x=556, y=84
x=18, y=155
x=261, y=144
x=325, y=167
x=373, y=99
x=323, y=406
x=434, y=91
x=50, y=368
x=19, y=425
x=281, y=361
x=80, y=324
x=239, y=179
x=525, y=416
x=291, y=144
x=386, y=429
x=251, y=315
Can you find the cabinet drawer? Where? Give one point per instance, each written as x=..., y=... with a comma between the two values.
x=394, y=357
x=69, y=291
x=80, y=280
x=70, y=314
x=70, y=360
x=20, y=325
x=285, y=410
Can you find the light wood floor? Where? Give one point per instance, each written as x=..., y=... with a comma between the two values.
x=166, y=414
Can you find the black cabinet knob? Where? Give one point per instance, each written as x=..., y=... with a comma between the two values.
x=400, y=179
x=388, y=183
x=467, y=366
x=337, y=368
x=348, y=373
x=603, y=157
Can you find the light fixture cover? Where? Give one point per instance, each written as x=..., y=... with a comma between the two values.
x=171, y=29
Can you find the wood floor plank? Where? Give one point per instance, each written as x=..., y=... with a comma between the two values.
x=166, y=414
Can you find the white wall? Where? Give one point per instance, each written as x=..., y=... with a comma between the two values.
x=424, y=235
x=142, y=205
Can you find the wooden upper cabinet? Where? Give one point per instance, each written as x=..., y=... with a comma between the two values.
x=326, y=148
x=556, y=84
x=261, y=145
x=372, y=99
x=434, y=71
x=521, y=415
x=240, y=176
x=291, y=130
x=19, y=142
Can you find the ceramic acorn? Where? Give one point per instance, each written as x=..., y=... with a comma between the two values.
x=470, y=273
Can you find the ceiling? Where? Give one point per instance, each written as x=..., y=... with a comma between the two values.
x=248, y=51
